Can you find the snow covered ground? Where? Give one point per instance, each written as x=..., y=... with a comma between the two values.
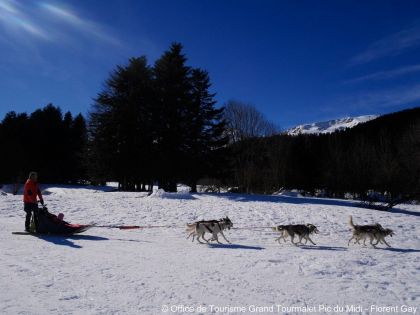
x=111, y=271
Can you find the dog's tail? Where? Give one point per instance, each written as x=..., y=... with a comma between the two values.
x=190, y=227
x=351, y=222
x=275, y=229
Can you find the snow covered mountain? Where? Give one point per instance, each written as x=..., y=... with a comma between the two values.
x=329, y=126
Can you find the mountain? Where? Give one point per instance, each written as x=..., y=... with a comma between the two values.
x=329, y=126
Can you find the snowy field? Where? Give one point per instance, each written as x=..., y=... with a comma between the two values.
x=158, y=271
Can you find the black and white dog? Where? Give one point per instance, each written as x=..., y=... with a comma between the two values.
x=213, y=227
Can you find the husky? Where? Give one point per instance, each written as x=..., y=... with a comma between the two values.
x=213, y=227
x=301, y=230
x=372, y=231
x=381, y=234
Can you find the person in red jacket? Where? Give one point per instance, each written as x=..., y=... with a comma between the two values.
x=31, y=192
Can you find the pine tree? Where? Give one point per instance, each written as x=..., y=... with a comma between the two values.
x=173, y=87
x=205, y=129
x=78, y=142
x=120, y=125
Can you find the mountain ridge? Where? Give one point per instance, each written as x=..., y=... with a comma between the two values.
x=329, y=126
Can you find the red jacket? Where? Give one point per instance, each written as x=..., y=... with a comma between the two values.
x=31, y=191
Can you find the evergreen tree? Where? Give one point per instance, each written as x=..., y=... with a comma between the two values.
x=205, y=129
x=173, y=88
x=77, y=146
x=120, y=126
x=15, y=147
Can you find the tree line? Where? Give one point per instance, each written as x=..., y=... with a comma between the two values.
x=159, y=124
x=375, y=161
x=47, y=141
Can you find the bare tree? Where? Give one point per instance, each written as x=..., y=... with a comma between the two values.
x=245, y=121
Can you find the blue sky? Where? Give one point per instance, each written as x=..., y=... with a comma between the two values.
x=296, y=61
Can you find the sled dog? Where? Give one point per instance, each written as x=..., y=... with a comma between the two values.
x=303, y=231
x=373, y=232
x=213, y=227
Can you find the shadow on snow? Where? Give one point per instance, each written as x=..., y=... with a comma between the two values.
x=235, y=246
x=403, y=211
x=286, y=199
x=304, y=200
x=400, y=250
x=334, y=248
x=67, y=240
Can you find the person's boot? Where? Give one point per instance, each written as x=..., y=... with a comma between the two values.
x=28, y=222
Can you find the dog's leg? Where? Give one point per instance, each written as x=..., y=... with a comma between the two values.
x=193, y=234
x=300, y=239
x=308, y=238
x=348, y=244
x=198, y=238
x=221, y=232
x=371, y=241
x=285, y=236
x=386, y=242
x=281, y=237
x=207, y=241
x=292, y=238
x=216, y=238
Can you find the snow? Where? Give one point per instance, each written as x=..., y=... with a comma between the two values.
x=111, y=271
x=329, y=126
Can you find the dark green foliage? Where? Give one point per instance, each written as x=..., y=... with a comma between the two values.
x=155, y=124
x=44, y=141
x=381, y=156
x=121, y=127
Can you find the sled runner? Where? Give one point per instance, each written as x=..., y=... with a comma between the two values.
x=85, y=228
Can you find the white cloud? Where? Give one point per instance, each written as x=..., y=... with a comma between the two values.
x=17, y=22
x=85, y=26
x=389, y=46
x=372, y=101
x=389, y=74
x=33, y=21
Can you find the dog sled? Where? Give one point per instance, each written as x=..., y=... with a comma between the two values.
x=49, y=223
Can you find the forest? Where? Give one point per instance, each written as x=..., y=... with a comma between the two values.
x=160, y=125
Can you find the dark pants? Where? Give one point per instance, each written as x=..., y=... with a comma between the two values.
x=29, y=208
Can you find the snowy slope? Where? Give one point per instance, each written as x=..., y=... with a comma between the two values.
x=329, y=126
x=110, y=271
